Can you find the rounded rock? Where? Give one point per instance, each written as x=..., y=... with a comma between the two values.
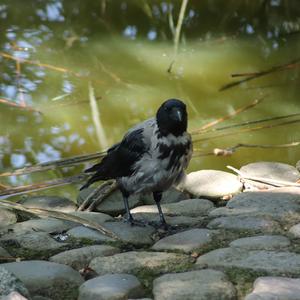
x=279, y=288
x=81, y=257
x=111, y=287
x=212, y=184
x=262, y=242
x=186, y=241
x=271, y=170
x=188, y=207
x=47, y=279
x=133, y=262
x=194, y=285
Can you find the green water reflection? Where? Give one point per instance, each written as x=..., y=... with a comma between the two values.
x=123, y=50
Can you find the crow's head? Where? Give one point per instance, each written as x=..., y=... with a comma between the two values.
x=171, y=117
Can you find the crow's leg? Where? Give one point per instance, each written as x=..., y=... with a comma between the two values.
x=157, y=197
x=129, y=219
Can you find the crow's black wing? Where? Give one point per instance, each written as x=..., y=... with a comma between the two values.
x=120, y=158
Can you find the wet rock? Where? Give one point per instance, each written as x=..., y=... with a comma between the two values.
x=189, y=207
x=172, y=195
x=262, y=242
x=112, y=205
x=81, y=257
x=212, y=184
x=47, y=279
x=298, y=165
x=85, y=233
x=96, y=217
x=243, y=223
x=31, y=244
x=271, y=170
x=280, y=204
x=134, y=262
x=195, y=285
x=268, y=262
x=48, y=225
x=111, y=287
x=137, y=235
x=153, y=218
x=10, y=283
x=279, y=288
x=186, y=241
x=295, y=230
x=49, y=202
x=7, y=217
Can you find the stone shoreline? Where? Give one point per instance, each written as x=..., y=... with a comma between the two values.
x=227, y=240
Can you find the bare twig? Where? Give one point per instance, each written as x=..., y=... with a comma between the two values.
x=229, y=116
x=16, y=105
x=58, y=215
x=51, y=165
x=48, y=66
x=98, y=195
x=292, y=64
x=256, y=121
x=247, y=130
x=18, y=190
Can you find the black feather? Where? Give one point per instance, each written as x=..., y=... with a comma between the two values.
x=120, y=158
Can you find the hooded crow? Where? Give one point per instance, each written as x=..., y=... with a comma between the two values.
x=151, y=157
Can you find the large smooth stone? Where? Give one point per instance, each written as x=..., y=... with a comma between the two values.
x=133, y=262
x=189, y=207
x=111, y=287
x=262, y=242
x=270, y=262
x=47, y=279
x=275, y=288
x=245, y=224
x=212, y=184
x=137, y=235
x=271, y=170
x=194, y=285
x=186, y=241
x=280, y=204
x=81, y=257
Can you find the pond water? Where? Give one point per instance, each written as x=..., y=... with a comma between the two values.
x=56, y=55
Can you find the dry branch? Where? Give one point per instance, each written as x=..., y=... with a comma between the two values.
x=229, y=116
x=58, y=215
x=51, y=165
x=98, y=195
x=23, y=189
x=247, y=130
x=290, y=65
